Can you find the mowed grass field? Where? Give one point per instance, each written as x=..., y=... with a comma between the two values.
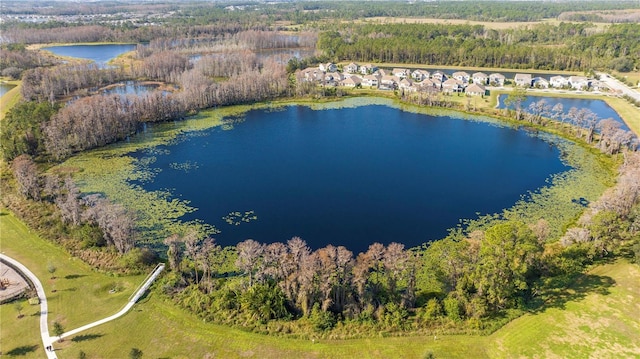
x=601, y=320
x=599, y=317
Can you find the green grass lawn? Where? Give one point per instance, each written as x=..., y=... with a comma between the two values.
x=9, y=99
x=81, y=295
x=599, y=316
x=601, y=320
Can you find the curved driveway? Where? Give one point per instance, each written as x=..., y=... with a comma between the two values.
x=44, y=326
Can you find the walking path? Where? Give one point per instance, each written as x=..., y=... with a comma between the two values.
x=44, y=326
x=143, y=288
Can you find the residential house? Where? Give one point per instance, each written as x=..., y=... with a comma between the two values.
x=480, y=78
x=427, y=83
x=436, y=83
x=311, y=74
x=333, y=77
x=453, y=85
x=523, y=80
x=439, y=75
x=352, y=68
x=328, y=67
x=475, y=90
x=579, y=82
x=496, y=79
x=540, y=82
x=383, y=72
x=388, y=82
x=367, y=69
x=420, y=75
x=558, y=81
x=401, y=73
x=462, y=76
x=407, y=85
x=351, y=81
x=371, y=80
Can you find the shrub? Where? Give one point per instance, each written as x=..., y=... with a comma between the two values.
x=452, y=308
x=321, y=320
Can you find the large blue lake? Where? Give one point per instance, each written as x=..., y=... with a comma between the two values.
x=350, y=176
x=101, y=54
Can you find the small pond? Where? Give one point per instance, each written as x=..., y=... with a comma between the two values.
x=4, y=88
x=130, y=88
x=348, y=176
x=599, y=107
x=101, y=54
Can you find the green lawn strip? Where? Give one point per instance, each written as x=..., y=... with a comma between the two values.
x=628, y=112
x=20, y=336
x=81, y=295
x=10, y=98
x=600, y=319
x=160, y=329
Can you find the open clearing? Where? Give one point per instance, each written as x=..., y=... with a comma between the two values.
x=598, y=317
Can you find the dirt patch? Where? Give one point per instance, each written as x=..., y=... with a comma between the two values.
x=13, y=284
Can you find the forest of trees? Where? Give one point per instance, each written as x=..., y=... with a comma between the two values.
x=309, y=11
x=566, y=46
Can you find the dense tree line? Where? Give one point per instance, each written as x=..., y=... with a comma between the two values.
x=574, y=47
x=326, y=284
x=612, y=222
x=14, y=59
x=115, y=224
x=199, y=13
x=479, y=10
x=48, y=84
x=89, y=123
x=21, y=129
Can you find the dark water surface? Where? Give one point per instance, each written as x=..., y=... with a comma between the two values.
x=350, y=176
x=101, y=54
x=130, y=88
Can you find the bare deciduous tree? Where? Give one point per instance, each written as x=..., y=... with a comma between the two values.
x=26, y=174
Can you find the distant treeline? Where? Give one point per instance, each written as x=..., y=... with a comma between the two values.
x=567, y=46
x=307, y=11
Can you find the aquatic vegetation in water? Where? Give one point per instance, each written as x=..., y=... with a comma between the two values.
x=155, y=151
x=236, y=218
x=185, y=166
x=228, y=123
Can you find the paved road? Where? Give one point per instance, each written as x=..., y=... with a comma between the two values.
x=44, y=326
x=615, y=84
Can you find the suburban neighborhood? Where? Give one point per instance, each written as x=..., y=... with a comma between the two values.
x=354, y=75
